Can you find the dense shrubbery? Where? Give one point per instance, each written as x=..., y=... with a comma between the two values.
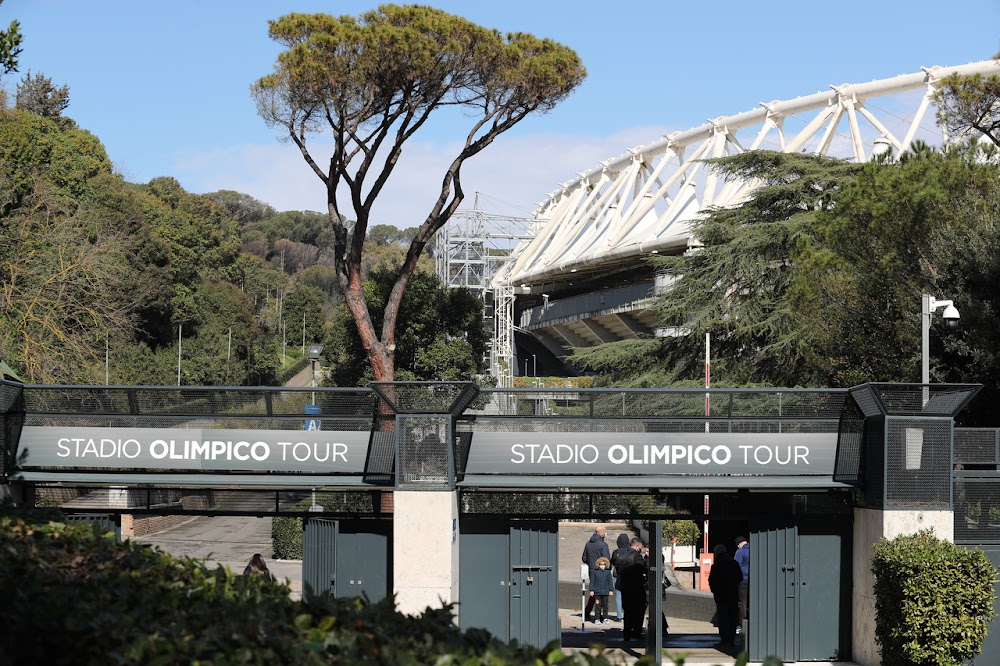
x=74, y=596
x=286, y=537
x=933, y=600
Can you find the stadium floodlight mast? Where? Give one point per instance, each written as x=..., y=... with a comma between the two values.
x=928, y=305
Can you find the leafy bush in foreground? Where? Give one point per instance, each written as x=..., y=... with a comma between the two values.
x=71, y=595
x=933, y=600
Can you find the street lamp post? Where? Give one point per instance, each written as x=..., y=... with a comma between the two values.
x=314, y=355
x=928, y=305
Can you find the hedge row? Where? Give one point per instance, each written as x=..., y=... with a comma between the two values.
x=933, y=600
x=71, y=595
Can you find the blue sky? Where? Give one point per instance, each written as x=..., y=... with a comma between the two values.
x=165, y=85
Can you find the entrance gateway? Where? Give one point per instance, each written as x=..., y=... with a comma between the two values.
x=440, y=491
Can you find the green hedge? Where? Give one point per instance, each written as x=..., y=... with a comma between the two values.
x=286, y=538
x=74, y=596
x=292, y=370
x=933, y=600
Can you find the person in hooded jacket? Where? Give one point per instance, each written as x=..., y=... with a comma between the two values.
x=623, y=548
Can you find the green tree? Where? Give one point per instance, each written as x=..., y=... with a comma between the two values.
x=242, y=208
x=71, y=241
x=373, y=82
x=10, y=46
x=303, y=311
x=37, y=94
x=736, y=286
x=971, y=102
x=439, y=336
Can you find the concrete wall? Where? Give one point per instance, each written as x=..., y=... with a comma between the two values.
x=870, y=526
x=425, y=558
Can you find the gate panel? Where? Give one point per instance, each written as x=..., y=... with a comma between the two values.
x=773, y=579
x=319, y=557
x=819, y=599
x=534, y=588
x=363, y=557
x=484, y=576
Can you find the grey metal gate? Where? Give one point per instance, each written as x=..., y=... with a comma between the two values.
x=319, y=557
x=509, y=578
x=106, y=522
x=346, y=558
x=799, y=590
x=534, y=581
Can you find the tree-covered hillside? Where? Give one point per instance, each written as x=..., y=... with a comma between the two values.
x=102, y=279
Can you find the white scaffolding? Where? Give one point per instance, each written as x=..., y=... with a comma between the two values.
x=469, y=251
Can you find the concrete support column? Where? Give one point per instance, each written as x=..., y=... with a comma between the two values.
x=870, y=526
x=425, y=549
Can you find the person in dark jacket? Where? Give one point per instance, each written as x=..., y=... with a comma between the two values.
x=724, y=581
x=257, y=567
x=594, y=550
x=742, y=558
x=602, y=587
x=623, y=548
x=632, y=573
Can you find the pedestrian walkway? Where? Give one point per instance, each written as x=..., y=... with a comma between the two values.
x=692, y=638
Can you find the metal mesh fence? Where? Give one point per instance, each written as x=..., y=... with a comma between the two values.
x=926, y=400
x=850, y=442
x=673, y=403
x=426, y=397
x=553, y=424
x=977, y=446
x=539, y=504
x=206, y=501
x=11, y=420
x=918, y=463
x=977, y=511
x=207, y=402
x=423, y=454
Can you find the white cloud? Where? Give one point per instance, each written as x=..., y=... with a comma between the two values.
x=519, y=171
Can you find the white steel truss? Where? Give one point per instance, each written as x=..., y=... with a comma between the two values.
x=645, y=200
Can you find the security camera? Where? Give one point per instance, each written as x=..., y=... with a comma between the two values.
x=951, y=317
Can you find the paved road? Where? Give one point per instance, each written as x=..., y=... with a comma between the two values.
x=226, y=541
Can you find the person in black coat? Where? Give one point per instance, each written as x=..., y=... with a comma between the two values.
x=632, y=574
x=724, y=581
x=594, y=550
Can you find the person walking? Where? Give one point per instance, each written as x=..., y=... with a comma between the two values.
x=623, y=547
x=594, y=550
x=742, y=558
x=724, y=581
x=632, y=576
x=257, y=567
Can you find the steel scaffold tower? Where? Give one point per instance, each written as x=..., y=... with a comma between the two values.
x=468, y=252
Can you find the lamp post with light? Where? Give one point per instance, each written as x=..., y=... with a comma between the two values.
x=314, y=354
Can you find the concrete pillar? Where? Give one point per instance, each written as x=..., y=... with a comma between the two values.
x=870, y=526
x=425, y=549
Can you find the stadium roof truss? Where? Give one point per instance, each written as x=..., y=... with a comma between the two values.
x=643, y=201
